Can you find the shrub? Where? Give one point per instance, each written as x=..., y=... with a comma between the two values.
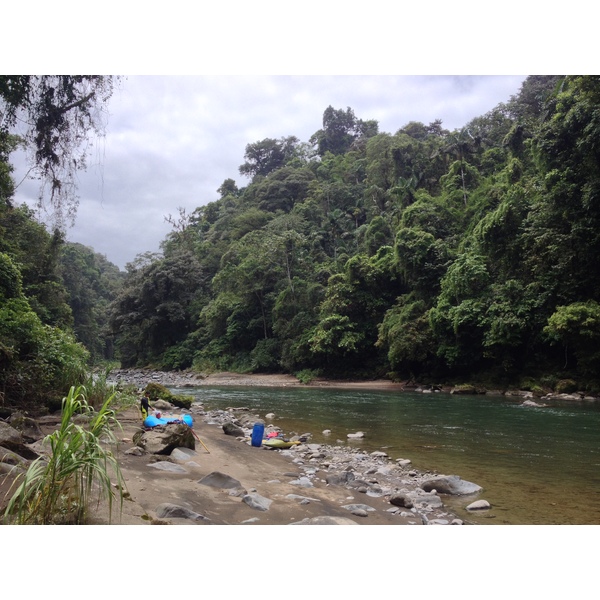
x=307, y=375
x=59, y=490
x=566, y=386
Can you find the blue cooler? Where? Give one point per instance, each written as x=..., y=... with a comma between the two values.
x=257, y=434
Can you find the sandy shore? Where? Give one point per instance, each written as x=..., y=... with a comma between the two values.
x=271, y=474
x=141, y=377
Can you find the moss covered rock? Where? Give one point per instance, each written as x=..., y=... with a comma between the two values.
x=156, y=391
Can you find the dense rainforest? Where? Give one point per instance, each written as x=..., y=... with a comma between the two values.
x=424, y=254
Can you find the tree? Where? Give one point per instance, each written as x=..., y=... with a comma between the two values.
x=37, y=362
x=460, y=144
x=577, y=327
x=156, y=307
x=340, y=130
x=267, y=155
x=92, y=282
x=55, y=115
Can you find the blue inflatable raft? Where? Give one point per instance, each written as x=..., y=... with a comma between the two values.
x=152, y=421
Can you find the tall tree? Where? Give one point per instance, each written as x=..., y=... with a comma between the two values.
x=340, y=129
x=268, y=155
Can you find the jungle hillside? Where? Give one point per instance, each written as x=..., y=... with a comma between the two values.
x=422, y=254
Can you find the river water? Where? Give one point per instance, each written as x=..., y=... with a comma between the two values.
x=536, y=465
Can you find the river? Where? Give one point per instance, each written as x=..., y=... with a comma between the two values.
x=536, y=465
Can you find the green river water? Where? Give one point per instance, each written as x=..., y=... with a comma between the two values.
x=536, y=465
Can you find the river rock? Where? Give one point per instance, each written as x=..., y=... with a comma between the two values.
x=360, y=508
x=167, y=466
x=232, y=429
x=401, y=499
x=325, y=520
x=9, y=436
x=427, y=500
x=302, y=482
x=173, y=511
x=257, y=501
x=12, y=459
x=163, y=439
x=183, y=455
x=29, y=428
x=339, y=478
x=356, y=436
x=452, y=485
x=220, y=480
x=302, y=499
x=479, y=505
x=12, y=439
x=161, y=404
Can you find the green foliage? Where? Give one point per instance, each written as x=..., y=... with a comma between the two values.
x=91, y=283
x=37, y=362
x=577, y=327
x=61, y=490
x=11, y=282
x=152, y=311
x=406, y=334
x=306, y=376
x=565, y=386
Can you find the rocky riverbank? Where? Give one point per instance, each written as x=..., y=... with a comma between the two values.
x=141, y=377
x=220, y=478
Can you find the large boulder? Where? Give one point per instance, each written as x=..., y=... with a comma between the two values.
x=256, y=501
x=232, y=429
x=220, y=480
x=451, y=485
x=12, y=439
x=163, y=439
x=174, y=511
x=29, y=428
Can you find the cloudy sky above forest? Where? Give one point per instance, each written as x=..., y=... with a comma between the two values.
x=178, y=124
x=171, y=141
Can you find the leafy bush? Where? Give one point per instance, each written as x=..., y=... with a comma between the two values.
x=38, y=362
x=60, y=490
x=307, y=375
x=566, y=386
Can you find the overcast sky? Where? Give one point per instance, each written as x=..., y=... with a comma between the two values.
x=171, y=141
x=172, y=138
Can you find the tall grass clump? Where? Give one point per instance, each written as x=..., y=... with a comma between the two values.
x=60, y=489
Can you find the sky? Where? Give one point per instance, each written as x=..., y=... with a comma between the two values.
x=201, y=83
x=171, y=140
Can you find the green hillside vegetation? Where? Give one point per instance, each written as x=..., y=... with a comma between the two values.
x=425, y=254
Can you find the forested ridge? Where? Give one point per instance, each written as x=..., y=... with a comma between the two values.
x=425, y=254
